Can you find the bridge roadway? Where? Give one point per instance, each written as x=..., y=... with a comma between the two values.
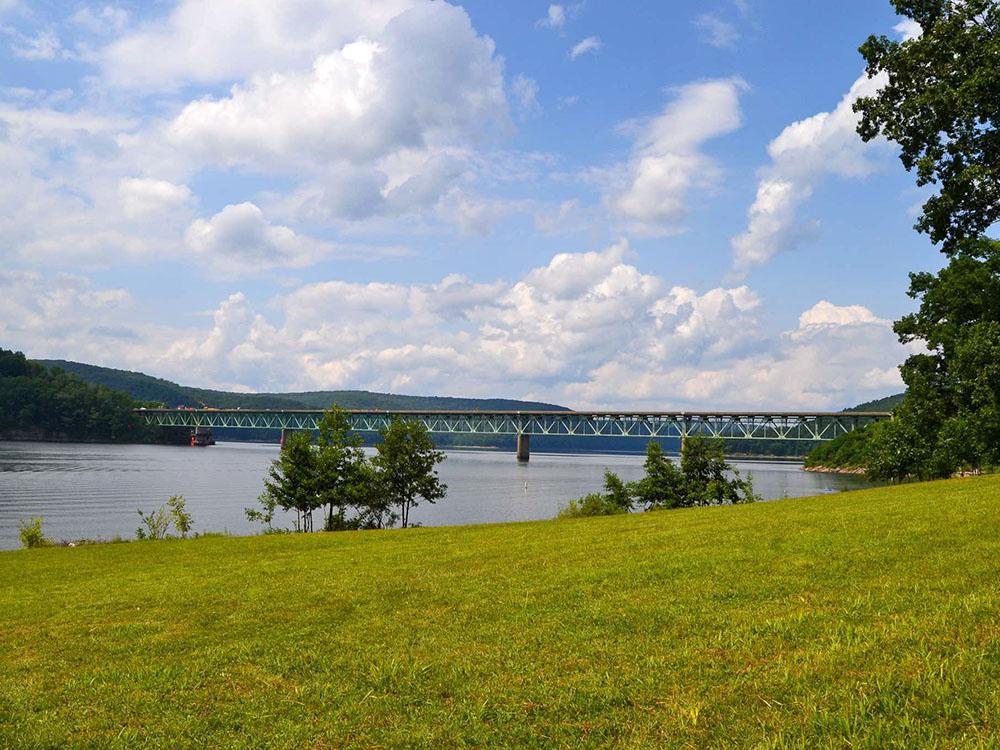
x=730, y=425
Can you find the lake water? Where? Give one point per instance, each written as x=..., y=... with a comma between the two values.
x=93, y=491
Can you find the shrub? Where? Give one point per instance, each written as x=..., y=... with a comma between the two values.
x=31, y=534
x=594, y=504
x=183, y=521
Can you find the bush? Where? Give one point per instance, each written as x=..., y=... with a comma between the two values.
x=183, y=521
x=31, y=534
x=156, y=524
x=594, y=504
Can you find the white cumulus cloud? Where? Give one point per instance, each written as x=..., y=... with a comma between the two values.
x=667, y=161
x=586, y=329
x=803, y=154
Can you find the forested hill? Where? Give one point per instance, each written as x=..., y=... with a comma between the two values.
x=880, y=404
x=39, y=403
x=147, y=388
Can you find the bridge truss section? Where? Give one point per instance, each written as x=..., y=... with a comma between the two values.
x=810, y=426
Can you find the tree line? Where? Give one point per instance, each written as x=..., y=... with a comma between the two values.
x=330, y=473
x=38, y=402
x=941, y=105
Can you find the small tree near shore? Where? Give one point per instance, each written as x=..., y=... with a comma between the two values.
x=404, y=468
x=292, y=480
x=703, y=478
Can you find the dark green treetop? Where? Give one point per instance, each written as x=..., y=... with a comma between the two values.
x=941, y=104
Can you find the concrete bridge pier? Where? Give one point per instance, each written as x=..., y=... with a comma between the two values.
x=284, y=432
x=523, y=446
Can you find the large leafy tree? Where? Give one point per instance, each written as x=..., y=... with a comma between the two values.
x=941, y=104
x=709, y=480
x=950, y=418
x=404, y=467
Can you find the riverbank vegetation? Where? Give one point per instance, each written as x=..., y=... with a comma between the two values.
x=701, y=477
x=846, y=452
x=42, y=404
x=863, y=619
x=330, y=471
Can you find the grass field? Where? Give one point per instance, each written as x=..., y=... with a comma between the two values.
x=861, y=620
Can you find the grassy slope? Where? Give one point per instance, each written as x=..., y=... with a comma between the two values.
x=867, y=619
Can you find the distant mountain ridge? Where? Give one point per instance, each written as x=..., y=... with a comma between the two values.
x=880, y=404
x=144, y=387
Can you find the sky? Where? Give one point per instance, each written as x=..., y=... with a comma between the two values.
x=642, y=204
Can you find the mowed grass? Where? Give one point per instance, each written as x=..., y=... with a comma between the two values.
x=867, y=619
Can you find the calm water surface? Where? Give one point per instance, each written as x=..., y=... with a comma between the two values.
x=93, y=491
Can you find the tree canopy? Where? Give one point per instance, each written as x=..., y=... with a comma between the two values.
x=44, y=403
x=941, y=104
x=331, y=471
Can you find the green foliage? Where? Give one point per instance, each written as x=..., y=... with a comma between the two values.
x=663, y=484
x=41, y=403
x=949, y=420
x=707, y=478
x=265, y=515
x=888, y=403
x=594, y=504
x=340, y=465
x=182, y=520
x=703, y=478
x=617, y=492
x=941, y=104
x=404, y=468
x=859, y=620
x=848, y=451
x=147, y=388
x=31, y=535
x=155, y=524
x=293, y=479
x=617, y=498
x=333, y=473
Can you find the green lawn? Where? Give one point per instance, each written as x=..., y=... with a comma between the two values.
x=866, y=619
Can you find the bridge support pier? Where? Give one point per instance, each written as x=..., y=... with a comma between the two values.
x=523, y=447
x=283, y=434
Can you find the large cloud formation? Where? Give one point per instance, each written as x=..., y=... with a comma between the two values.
x=650, y=193
x=586, y=329
x=355, y=111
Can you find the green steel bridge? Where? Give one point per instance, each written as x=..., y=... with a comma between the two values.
x=730, y=425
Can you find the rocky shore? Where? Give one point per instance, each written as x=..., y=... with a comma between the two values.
x=835, y=469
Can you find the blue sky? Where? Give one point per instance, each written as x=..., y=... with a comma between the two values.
x=643, y=204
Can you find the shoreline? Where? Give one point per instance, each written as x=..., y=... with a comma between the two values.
x=856, y=470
